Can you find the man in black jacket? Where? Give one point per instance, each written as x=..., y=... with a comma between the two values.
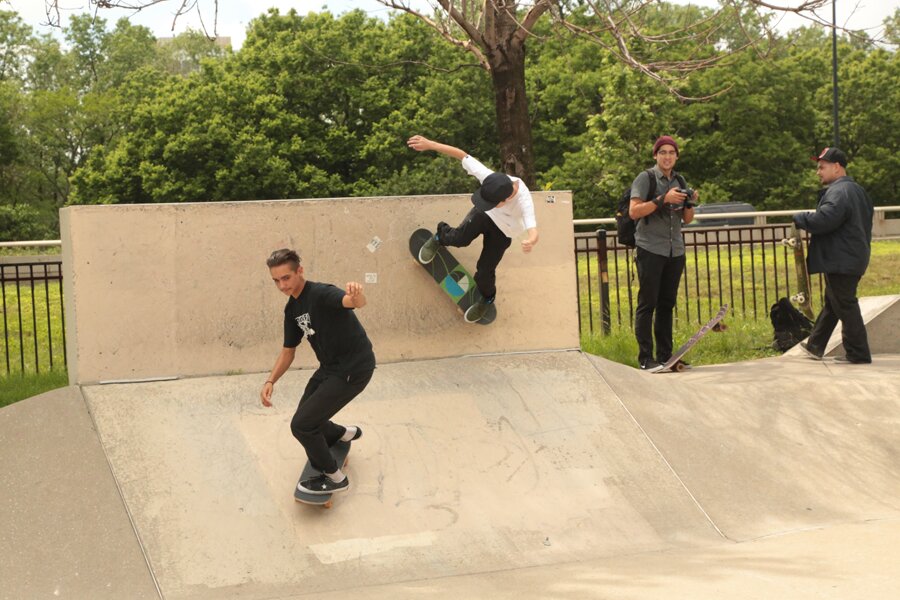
x=839, y=247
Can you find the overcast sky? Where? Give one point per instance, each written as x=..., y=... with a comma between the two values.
x=234, y=15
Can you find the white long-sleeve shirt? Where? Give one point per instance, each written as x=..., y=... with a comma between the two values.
x=517, y=215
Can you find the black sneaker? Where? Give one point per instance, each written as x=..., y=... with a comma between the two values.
x=358, y=433
x=809, y=351
x=323, y=484
x=649, y=364
x=428, y=250
x=475, y=312
x=843, y=360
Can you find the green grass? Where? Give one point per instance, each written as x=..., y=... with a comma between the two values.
x=31, y=328
x=22, y=374
x=27, y=252
x=18, y=387
x=745, y=339
x=751, y=286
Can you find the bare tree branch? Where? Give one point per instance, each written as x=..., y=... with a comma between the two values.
x=54, y=12
x=618, y=26
x=472, y=45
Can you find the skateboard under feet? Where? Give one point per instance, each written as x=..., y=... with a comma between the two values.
x=340, y=452
x=451, y=277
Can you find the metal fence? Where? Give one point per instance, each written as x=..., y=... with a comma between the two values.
x=33, y=322
x=748, y=267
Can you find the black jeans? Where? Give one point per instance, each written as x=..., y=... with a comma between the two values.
x=841, y=304
x=495, y=244
x=324, y=396
x=659, y=277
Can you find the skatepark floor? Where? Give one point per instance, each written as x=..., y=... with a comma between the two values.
x=531, y=475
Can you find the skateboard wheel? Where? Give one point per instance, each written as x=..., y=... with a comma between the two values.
x=328, y=504
x=679, y=367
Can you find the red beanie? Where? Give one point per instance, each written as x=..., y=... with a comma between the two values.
x=662, y=141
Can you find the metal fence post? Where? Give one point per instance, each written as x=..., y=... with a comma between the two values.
x=603, y=263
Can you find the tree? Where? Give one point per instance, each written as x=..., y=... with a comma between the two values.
x=311, y=106
x=495, y=32
x=869, y=96
x=15, y=38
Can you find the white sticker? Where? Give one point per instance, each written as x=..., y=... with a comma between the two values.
x=371, y=277
x=551, y=199
x=375, y=244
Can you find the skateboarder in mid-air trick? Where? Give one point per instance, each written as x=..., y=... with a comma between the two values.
x=323, y=314
x=503, y=209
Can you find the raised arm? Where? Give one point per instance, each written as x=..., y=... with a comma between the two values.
x=421, y=144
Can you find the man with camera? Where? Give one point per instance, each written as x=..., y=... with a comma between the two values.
x=660, y=203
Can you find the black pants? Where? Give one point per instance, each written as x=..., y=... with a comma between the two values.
x=324, y=396
x=495, y=244
x=659, y=277
x=841, y=305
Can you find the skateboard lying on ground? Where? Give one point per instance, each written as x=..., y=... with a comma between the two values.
x=451, y=276
x=339, y=451
x=674, y=363
x=803, y=298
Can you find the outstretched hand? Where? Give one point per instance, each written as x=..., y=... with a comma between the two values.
x=419, y=143
x=354, y=289
x=354, y=296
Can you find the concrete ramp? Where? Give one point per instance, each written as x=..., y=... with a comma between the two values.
x=773, y=446
x=536, y=475
x=881, y=314
x=64, y=530
x=467, y=465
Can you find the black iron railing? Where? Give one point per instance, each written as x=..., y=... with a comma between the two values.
x=32, y=338
x=749, y=267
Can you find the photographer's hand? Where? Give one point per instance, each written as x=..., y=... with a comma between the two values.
x=675, y=198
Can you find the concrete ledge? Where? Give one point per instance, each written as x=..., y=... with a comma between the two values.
x=160, y=290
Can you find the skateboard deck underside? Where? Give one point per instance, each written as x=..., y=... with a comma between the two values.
x=803, y=297
x=673, y=362
x=450, y=276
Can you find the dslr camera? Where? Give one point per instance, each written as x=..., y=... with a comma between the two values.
x=690, y=195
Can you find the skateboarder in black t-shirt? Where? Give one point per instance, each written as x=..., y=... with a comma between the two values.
x=323, y=314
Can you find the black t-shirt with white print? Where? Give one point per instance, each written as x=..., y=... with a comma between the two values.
x=335, y=334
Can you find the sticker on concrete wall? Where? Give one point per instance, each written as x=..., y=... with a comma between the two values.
x=371, y=277
x=551, y=199
x=375, y=244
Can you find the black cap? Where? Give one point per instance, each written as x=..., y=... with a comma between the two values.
x=832, y=155
x=495, y=188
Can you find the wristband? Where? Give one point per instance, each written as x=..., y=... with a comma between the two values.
x=659, y=201
x=272, y=382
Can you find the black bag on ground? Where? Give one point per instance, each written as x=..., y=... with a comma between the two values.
x=791, y=326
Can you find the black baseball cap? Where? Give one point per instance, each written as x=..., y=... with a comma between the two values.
x=495, y=188
x=832, y=155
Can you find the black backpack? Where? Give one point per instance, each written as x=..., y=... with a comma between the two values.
x=625, y=226
x=790, y=325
